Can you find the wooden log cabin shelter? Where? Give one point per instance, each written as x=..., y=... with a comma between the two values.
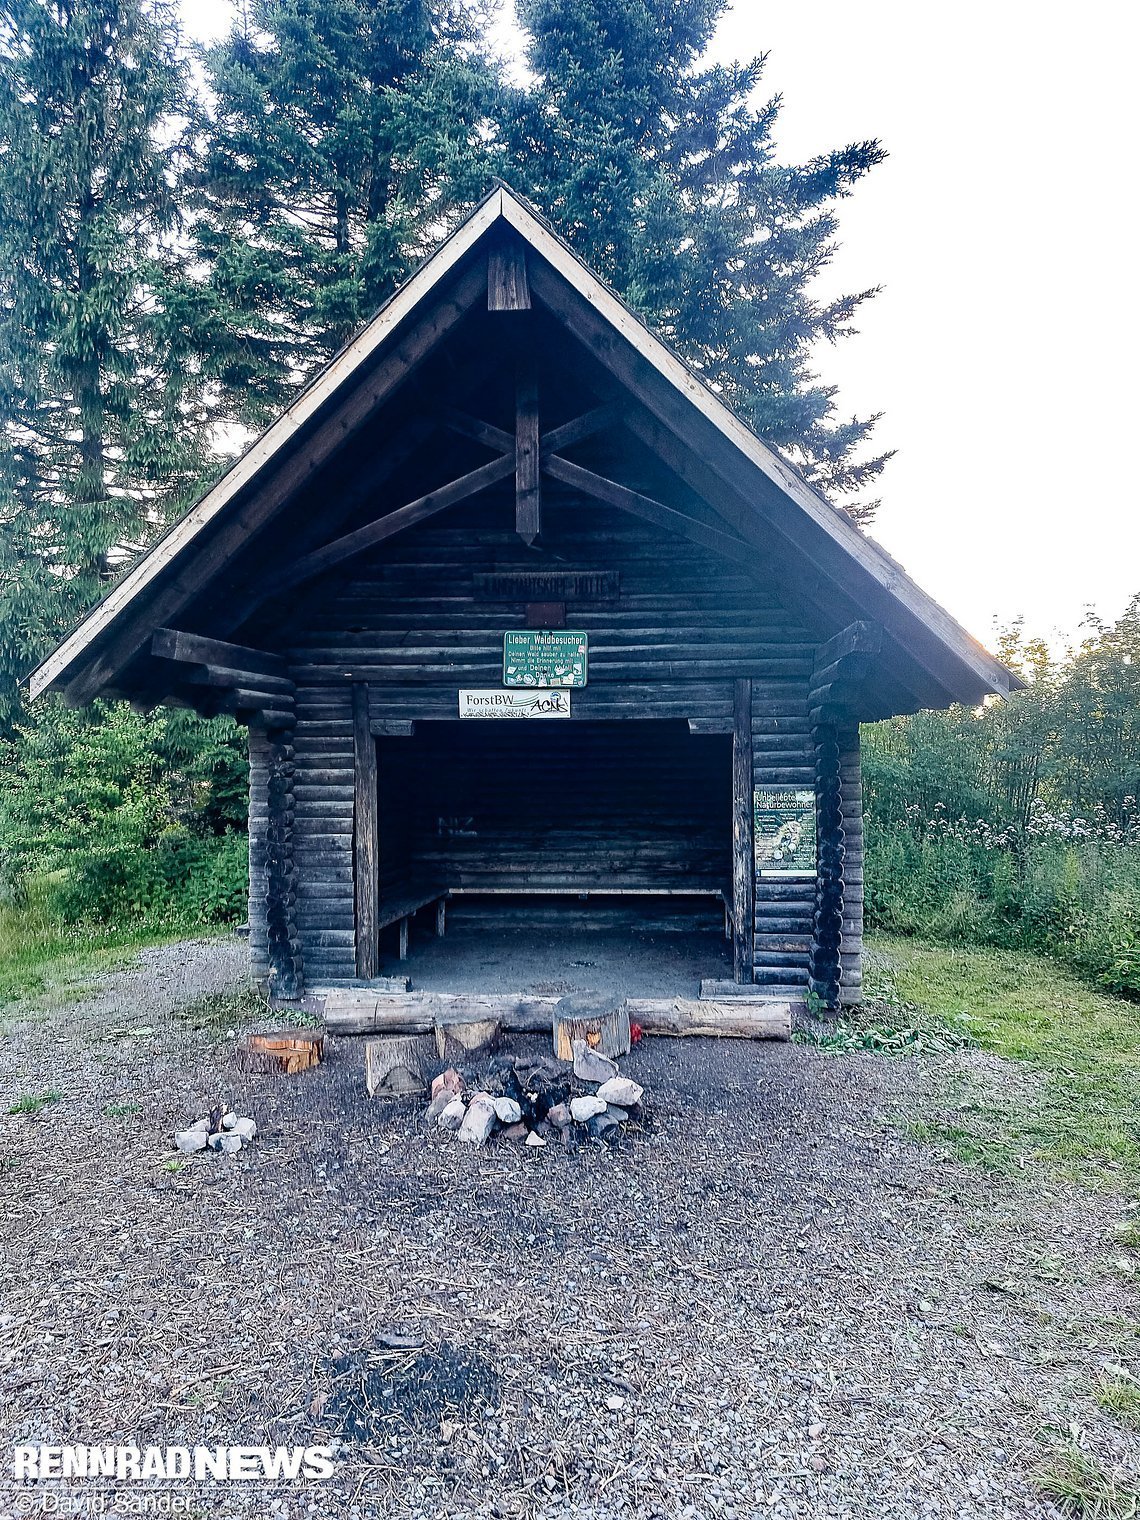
x=505, y=452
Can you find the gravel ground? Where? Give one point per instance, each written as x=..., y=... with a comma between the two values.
x=766, y=1301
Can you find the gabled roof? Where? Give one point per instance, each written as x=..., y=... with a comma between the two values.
x=760, y=493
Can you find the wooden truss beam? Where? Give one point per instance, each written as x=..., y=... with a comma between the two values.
x=656, y=512
x=374, y=533
x=507, y=286
x=577, y=430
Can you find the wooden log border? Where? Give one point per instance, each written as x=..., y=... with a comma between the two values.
x=352, y=1010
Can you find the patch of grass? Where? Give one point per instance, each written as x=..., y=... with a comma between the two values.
x=886, y=1024
x=973, y=1144
x=34, y=1103
x=46, y=965
x=218, y=1012
x=126, y=1110
x=1127, y=1233
x=1079, y=1486
x=883, y=1039
x=1120, y=1396
x=1085, y=1046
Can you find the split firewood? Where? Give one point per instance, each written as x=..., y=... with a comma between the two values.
x=397, y=1065
x=458, y=1042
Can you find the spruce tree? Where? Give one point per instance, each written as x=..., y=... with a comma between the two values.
x=345, y=137
x=100, y=421
x=660, y=172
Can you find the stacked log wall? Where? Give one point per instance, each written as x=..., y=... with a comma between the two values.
x=258, y=817
x=851, y=957
x=410, y=622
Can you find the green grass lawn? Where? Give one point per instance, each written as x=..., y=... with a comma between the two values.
x=1084, y=1044
x=45, y=964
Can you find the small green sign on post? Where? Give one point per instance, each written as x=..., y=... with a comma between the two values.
x=785, y=831
x=545, y=657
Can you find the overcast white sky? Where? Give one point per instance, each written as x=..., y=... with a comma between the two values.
x=1004, y=346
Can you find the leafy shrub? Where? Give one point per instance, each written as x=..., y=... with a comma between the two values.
x=114, y=817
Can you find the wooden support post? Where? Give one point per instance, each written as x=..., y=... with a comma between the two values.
x=528, y=455
x=366, y=835
x=743, y=832
x=824, y=963
x=282, y=947
x=441, y=917
x=404, y=937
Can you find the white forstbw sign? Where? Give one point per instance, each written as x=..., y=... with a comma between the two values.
x=530, y=703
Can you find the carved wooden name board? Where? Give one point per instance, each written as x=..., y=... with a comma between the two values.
x=785, y=831
x=545, y=657
x=548, y=585
x=514, y=704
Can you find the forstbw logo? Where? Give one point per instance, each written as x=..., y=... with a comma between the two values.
x=237, y=1464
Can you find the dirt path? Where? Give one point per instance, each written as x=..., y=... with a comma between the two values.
x=766, y=1302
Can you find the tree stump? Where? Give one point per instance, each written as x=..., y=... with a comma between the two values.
x=286, y=1051
x=602, y=1022
x=398, y=1065
x=457, y=1042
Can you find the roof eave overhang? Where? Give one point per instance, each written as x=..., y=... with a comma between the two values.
x=966, y=672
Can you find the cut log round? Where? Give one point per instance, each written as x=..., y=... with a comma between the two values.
x=456, y=1042
x=282, y=1050
x=397, y=1065
x=602, y=1022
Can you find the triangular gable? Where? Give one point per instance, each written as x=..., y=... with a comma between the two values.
x=756, y=479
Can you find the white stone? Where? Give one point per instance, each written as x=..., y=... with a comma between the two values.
x=191, y=1140
x=200, y=1126
x=535, y=1140
x=582, y=1109
x=615, y=1402
x=246, y=1128
x=507, y=1111
x=591, y=1065
x=453, y=1114
x=439, y=1102
x=230, y=1143
x=229, y=1120
x=479, y=1119
x=621, y=1092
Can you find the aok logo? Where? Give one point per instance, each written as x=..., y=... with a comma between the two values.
x=529, y=703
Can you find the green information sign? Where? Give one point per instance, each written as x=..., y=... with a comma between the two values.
x=540, y=657
x=785, y=831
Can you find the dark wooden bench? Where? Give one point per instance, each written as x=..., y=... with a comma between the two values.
x=404, y=905
x=700, y=888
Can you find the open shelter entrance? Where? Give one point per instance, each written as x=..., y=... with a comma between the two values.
x=549, y=836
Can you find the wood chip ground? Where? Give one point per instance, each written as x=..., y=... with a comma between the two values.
x=765, y=1302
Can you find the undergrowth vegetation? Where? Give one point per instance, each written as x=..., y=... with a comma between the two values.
x=1017, y=824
